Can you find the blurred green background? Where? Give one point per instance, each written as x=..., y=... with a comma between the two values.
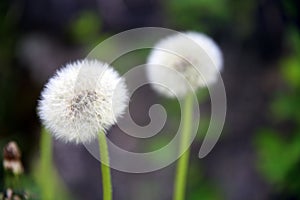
x=258, y=155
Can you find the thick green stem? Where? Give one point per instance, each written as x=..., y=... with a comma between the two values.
x=105, y=169
x=46, y=183
x=182, y=164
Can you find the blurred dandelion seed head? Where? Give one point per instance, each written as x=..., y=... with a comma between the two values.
x=82, y=98
x=194, y=56
x=12, y=158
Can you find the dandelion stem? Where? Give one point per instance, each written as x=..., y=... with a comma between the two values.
x=46, y=183
x=182, y=164
x=105, y=169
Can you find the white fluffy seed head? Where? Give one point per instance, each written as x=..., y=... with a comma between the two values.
x=82, y=98
x=182, y=62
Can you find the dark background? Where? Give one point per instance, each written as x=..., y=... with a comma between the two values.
x=258, y=155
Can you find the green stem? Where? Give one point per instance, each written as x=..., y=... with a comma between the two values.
x=182, y=164
x=105, y=169
x=47, y=186
x=12, y=180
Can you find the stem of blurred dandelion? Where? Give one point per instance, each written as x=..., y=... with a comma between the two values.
x=12, y=180
x=105, y=169
x=45, y=178
x=182, y=164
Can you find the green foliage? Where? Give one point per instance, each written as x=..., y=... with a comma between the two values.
x=213, y=16
x=127, y=61
x=172, y=107
x=200, y=187
x=291, y=71
x=23, y=185
x=290, y=66
x=283, y=107
x=279, y=151
x=204, y=192
x=277, y=156
x=194, y=14
x=86, y=28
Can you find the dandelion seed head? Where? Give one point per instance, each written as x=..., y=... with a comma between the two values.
x=183, y=61
x=81, y=99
